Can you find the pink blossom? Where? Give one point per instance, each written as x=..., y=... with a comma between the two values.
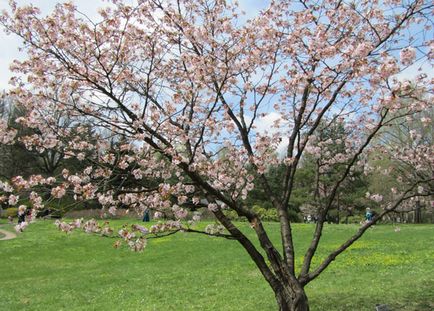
x=50, y=141
x=88, y=170
x=78, y=222
x=196, y=200
x=180, y=213
x=50, y=180
x=106, y=231
x=137, y=245
x=189, y=188
x=425, y=121
x=58, y=192
x=13, y=199
x=74, y=179
x=141, y=229
x=81, y=156
x=126, y=235
x=362, y=49
x=388, y=67
x=158, y=215
x=65, y=227
x=288, y=161
x=91, y=226
x=182, y=199
x=196, y=217
x=137, y=173
x=407, y=55
x=5, y=187
x=112, y=210
x=376, y=197
x=213, y=207
x=123, y=165
x=214, y=229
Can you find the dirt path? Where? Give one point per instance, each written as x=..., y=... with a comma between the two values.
x=8, y=235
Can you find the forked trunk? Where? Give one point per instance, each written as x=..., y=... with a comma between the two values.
x=290, y=300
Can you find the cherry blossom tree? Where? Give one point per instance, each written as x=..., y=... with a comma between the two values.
x=188, y=85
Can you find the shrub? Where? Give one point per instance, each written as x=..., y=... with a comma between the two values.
x=12, y=211
x=271, y=215
x=294, y=216
x=266, y=214
x=355, y=219
x=259, y=210
x=232, y=215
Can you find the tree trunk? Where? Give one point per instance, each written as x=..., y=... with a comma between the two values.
x=418, y=213
x=289, y=299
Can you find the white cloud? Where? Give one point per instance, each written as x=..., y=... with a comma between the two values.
x=265, y=125
x=416, y=69
x=8, y=52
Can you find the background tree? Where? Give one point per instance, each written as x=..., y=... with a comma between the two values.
x=389, y=170
x=184, y=80
x=15, y=160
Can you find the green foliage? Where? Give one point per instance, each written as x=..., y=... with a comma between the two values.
x=304, y=185
x=259, y=210
x=12, y=212
x=232, y=215
x=354, y=219
x=266, y=214
x=269, y=214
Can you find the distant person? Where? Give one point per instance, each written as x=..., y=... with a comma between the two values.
x=146, y=216
x=368, y=215
x=22, y=211
x=21, y=217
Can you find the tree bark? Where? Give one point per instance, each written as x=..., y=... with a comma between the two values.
x=291, y=298
x=418, y=213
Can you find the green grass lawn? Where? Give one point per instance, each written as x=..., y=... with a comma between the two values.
x=44, y=269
